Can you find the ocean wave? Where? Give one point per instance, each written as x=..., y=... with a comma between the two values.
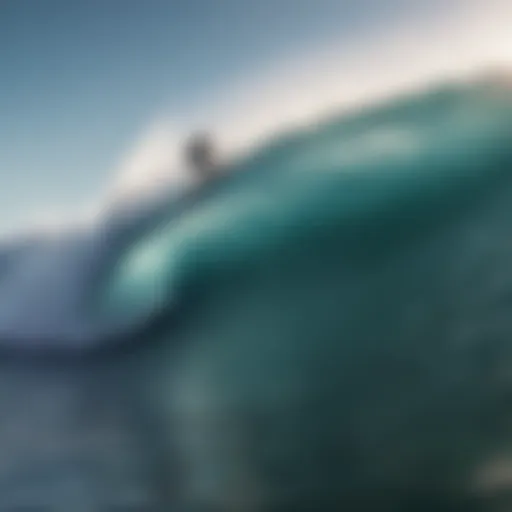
x=46, y=282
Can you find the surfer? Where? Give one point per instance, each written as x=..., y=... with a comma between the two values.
x=201, y=157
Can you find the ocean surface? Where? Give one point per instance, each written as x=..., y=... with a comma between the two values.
x=309, y=313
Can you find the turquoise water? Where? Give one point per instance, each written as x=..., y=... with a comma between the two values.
x=341, y=306
x=325, y=329
x=425, y=152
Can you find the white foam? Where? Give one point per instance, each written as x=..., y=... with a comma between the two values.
x=43, y=291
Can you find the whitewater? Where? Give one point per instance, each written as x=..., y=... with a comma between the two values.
x=46, y=280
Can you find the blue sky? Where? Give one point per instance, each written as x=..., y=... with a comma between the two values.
x=81, y=79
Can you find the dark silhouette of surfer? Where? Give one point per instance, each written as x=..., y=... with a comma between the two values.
x=201, y=157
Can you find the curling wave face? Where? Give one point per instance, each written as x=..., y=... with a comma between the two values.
x=341, y=304
x=344, y=170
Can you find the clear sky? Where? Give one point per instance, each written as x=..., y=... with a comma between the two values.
x=81, y=80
